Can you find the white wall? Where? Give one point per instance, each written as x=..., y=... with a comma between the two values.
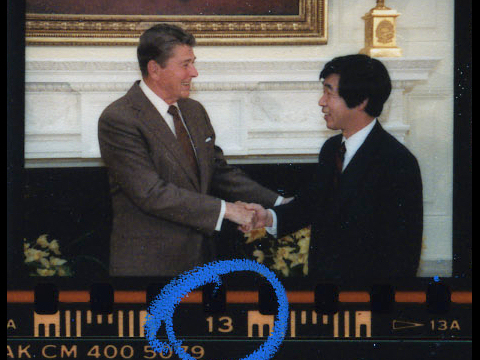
x=67, y=88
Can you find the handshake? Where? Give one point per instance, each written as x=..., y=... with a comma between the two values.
x=250, y=216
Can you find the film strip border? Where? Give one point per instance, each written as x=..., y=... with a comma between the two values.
x=437, y=298
x=323, y=313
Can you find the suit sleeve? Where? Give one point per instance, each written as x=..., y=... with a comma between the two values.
x=310, y=200
x=401, y=220
x=125, y=152
x=231, y=183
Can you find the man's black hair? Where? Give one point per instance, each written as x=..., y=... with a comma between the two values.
x=361, y=77
x=158, y=42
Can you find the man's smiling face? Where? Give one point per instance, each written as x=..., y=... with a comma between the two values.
x=173, y=82
x=337, y=114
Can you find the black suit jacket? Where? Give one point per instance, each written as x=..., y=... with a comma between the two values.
x=370, y=226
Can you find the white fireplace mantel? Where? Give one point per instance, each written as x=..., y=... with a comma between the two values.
x=262, y=110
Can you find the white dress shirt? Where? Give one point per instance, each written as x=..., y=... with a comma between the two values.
x=161, y=106
x=352, y=144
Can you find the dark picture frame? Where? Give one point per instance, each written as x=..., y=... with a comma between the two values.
x=221, y=22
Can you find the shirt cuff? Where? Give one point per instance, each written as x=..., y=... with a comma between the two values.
x=279, y=201
x=221, y=216
x=273, y=229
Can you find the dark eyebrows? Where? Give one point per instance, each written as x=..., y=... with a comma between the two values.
x=328, y=86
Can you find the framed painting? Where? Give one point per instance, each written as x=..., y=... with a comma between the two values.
x=216, y=22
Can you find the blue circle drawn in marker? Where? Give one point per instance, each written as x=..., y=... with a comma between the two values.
x=163, y=308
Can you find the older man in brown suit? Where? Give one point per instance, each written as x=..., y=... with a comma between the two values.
x=171, y=186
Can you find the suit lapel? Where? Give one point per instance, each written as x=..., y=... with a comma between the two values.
x=159, y=128
x=198, y=140
x=352, y=178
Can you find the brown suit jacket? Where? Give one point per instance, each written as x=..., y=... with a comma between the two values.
x=163, y=214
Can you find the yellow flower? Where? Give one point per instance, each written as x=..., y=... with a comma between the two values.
x=302, y=258
x=34, y=255
x=44, y=272
x=297, y=259
x=305, y=269
x=54, y=247
x=293, y=257
x=259, y=255
x=255, y=235
x=305, y=232
x=284, y=252
x=61, y=271
x=304, y=245
x=45, y=263
x=286, y=239
x=280, y=264
x=42, y=241
x=57, y=262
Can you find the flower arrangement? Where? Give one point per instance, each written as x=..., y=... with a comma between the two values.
x=43, y=258
x=287, y=256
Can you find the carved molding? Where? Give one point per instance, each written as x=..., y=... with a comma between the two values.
x=260, y=100
x=418, y=66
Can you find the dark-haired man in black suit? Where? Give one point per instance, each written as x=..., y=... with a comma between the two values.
x=364, y=202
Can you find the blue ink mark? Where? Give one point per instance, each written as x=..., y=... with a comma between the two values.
x=162, y=309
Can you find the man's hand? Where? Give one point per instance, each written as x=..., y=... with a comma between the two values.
x=240, y=215
x=263, y=218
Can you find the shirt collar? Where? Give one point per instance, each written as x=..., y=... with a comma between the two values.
x=356, y=140
x=156, y=100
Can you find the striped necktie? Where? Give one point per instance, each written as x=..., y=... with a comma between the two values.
x=340, y=156
x=183, y=138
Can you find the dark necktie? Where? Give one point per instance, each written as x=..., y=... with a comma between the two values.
x=339, y=157
x=183, y=138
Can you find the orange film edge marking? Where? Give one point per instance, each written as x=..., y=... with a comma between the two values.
x=21, y=297
x=410, y=297
x=354, y=297
x=74, y=297
x=301, y=297
x=195, y=297
x=242, y=297
x=462, y=297
x=130, y=297
x=234, y=297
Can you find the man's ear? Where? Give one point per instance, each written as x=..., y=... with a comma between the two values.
x=153, y=68
x=363, y=105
